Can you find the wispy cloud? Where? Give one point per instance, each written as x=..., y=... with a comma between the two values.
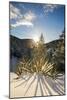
x=49, y=8
x=14, y=12
x=29, y=16
x=22, y=19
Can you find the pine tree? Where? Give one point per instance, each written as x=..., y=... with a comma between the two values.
x=59, y=55
x=39, y=54
x=42, y=38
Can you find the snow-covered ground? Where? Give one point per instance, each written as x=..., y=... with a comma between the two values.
x=35, y=85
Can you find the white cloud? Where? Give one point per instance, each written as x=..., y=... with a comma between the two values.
x=23, y=23
x=25, y=19
x=49, y=8
x=29, y=16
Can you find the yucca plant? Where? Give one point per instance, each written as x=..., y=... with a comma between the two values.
x=39, y=62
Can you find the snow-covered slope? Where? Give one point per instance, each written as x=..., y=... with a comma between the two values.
x=35, y=85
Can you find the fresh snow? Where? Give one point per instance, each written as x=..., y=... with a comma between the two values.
x=28, y=85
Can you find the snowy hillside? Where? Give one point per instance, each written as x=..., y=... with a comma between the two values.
x=29, y=85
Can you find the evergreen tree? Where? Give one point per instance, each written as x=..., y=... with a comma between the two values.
x=39, y=54
x=42, y=38
x=59, y=54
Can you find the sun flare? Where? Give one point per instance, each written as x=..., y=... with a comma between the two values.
x=36, y=38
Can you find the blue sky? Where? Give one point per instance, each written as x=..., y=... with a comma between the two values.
x=29, y=20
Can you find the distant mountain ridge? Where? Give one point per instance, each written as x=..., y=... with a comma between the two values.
x=19, y=47
x=53, y=44
x=26, y=43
